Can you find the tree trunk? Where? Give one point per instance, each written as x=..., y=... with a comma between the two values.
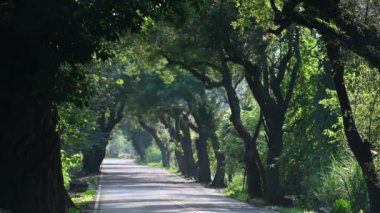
x=253, y=163
x=218, y=180
x=181, y=163
x=188, y=150
x=204, y=175
x=30, y=158
x=152, y=131
x=273, y=190
x=233, y=101
x=360, y=148
x=254, y=176
x=164, y=157
x=92, y=159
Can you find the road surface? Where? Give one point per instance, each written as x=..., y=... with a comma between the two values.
x=130, y=188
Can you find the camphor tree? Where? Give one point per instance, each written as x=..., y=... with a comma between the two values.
x=108, y=101
x=41, y=43
x=351, y=25
x=215, y=53
x=179, y=99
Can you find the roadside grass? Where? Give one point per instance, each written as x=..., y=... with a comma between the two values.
x=83, y=200
x=263, y=204
x=154, y=164
x=235, y=189
x=159, y=165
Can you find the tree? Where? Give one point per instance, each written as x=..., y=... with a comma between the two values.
x=271, y=81
x=342, y=24
x=164, y=150
x=39, y=39
x=352, y=24
x=109, y=101
x=360, y=147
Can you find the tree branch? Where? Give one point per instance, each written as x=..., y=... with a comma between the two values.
x=208, y=82
x=295, y=69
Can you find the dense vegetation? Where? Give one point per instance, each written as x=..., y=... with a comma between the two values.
x=274, y=100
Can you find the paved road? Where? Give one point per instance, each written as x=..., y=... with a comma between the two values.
x=127, y=187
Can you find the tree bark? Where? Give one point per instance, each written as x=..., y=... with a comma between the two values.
x=204, y=174
x=164, y=157
x=361, y=148
x=181, y=163
x=251, y=158
x=218, y=180
x=92, y=159
x=186, y=144
x=200, y=115
x=30, y=155
x=265, y=85
x=273, y=191
x=94, y=156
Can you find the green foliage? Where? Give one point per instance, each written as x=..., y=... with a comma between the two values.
x=153, y=154
x=84, y=199
x=75, y=125
x=341, y=206
x=70, y=33
x=343, y=179
x=117, y=144
x=147, y=75
x=236, y=187
x=258, y=10
x=235, y=190
x=69, y=162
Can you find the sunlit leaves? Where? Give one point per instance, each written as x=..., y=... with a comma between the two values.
x=119, y=81
x=258, y=10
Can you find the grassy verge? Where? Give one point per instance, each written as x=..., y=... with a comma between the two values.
x=85, y=199
x=236, y=191
x=159, y=165
x=242, y=196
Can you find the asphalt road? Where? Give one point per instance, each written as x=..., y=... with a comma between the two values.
x=127, y=187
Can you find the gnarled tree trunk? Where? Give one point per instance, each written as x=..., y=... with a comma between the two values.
x=188, y=149
x=273, y=191
x=31, y=178
x=218, y=180
x=204, y=174
x=181, y=162
x=251, y=158
x=360, y=148
x=92, y=159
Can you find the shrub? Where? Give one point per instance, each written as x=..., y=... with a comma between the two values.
x=341, y=206
x=69, y=162
x=153, y=154
x=236, y=188
x=343, y=179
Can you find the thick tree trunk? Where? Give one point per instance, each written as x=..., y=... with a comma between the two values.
x=30, y=158
x=92, y=159
x=254, y=176
x=360, y=148
x=273, y=190
x=181, y=163
x=139, y=149
x=164, y=157
x=218, y=180
x=188, y=150
x=253, y=163
x=204, y=175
